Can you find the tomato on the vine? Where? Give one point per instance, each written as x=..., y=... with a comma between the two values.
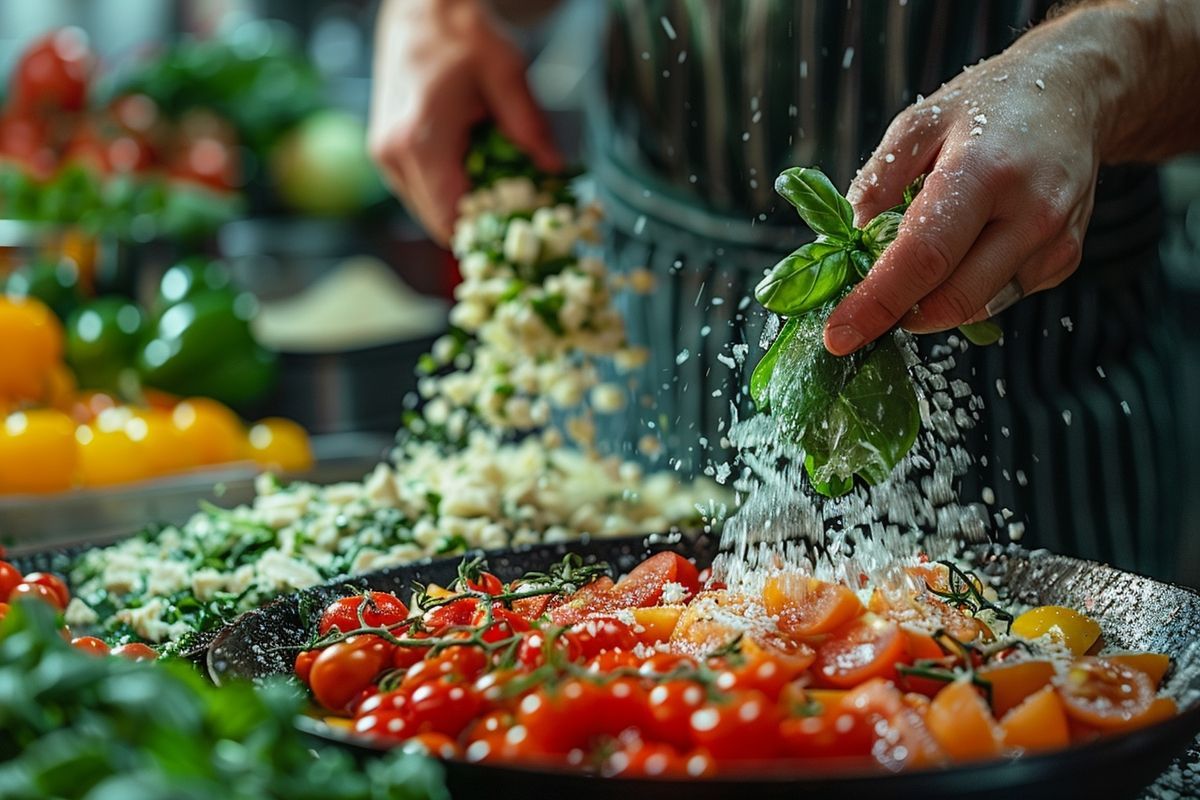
x=744, y=725
x=594, y=636
x=536, y=645
x=379, y=610
x=443, y=706
x=344, y=669
x=454, y=614
x=304, y=662
x=90, y=644
x=458, y=662
x=671, y=705
x=37, y=591
x=54, y=584
x=505, y=623
x=135, y=651
x=10, y=576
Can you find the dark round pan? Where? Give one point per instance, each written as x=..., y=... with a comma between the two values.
x=1134, y=612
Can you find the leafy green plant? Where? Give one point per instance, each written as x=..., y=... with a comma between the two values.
x=857, y=415
x=75, y=725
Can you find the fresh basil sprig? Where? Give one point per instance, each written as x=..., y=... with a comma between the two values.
x=858, y=415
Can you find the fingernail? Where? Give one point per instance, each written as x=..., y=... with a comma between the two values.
x=842, y=339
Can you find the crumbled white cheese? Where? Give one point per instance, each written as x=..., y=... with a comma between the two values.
x=674, y=593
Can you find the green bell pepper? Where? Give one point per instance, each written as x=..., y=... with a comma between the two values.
x=54, y=283
x=102, y=340
x=189, y=277
x=202, y=345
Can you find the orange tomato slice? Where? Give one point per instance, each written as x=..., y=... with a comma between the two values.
x=807, y=606
x=868, y=647
x=1154, y=665
x=961, y=723
x=1038, y=724
x=1014, y=681
x=1105, y=695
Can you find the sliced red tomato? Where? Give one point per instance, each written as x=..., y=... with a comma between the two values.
x=379, y=610
x=867, y=648
x=594, y=636
x=643, y=586
x=486, y=583
x=505, y=623
x=593, y=598
x=456, y=613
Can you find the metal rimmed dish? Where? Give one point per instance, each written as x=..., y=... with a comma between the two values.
x=1134, y=612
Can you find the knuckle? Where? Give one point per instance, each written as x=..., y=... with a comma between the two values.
x=948, y=306
x=928, y=262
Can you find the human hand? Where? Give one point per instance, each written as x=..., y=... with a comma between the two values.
x=442, y=66
x=1011, y=151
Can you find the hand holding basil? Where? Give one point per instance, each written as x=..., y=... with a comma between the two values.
x=854, y=416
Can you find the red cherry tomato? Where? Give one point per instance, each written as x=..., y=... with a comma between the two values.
x=53, y=583
x=90, y=644
x=645, y=760
x=456, y=613
x=384, y=725
x=536, y=645
x=52, y=74
x=864, y=649
x=379, y=610
x=595, y=636
x=743, y=726
x=37, y=591
x=343, y=670
x=486, y=583
x=407, y=655
x=644, y=585
x=304, y=662
x=436, y=745
x=443, y=706
x=460, y=663
x=504, y=625
x=10, y=576
x=135, y=651
x=834, y=733
x=671, y=705
x=612, y=660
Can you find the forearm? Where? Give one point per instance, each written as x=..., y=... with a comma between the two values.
x=1142, y=66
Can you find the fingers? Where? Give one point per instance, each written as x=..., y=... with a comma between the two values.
x=507, y=95
x=1049, y=266
x=909, y=147
x=939, y=229
x=435, y=181
x=987, y=268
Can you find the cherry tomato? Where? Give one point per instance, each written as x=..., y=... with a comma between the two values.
x=135, y=651
x=671, y=705
x=37, y=591
x=344, y=669
x=834, y=733
x=866, y=648
x=486, y=583
x=559, y=719
x=278, y=443
x=612, y=660
x=535, y=644
x=52, y=74
x=37, y=451
x=1105, y=694
x=643, y=586
x=645, y=760
x=10, y=576
x=766, y=669
x=90, y=644
x=594, y=636
x=443, y=706
x=406, y=656
x=593, y=598
x=455, y=614
x=743, y=725
x=504, y=625
x=214, y=432
x=304, y=663
x=381, y=610
x=460, y=663
x=385, y=725
x=53, y=583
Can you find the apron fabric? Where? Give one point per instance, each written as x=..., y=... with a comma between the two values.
x=704, y=102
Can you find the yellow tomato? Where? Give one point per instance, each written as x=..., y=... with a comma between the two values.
x=108, y=455
x=214, y=431
x=37, y=452
x=33, y=345
x=166, y=449
x=279, y=443
x=1075, y=630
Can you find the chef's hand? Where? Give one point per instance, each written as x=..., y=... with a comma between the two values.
x=1011, y=148
x=441, y=66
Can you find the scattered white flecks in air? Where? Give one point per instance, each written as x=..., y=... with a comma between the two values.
x=1066, y=415
x=976, y=131
x=668, y=27
x=1040, y=84
x=723, y=472
x=1022, y=478
x=988, y=495
x=682, y=56
x=705, y=330
x=920, y=99
x=1006, y=513
x=727, y=361
x=972, y=109
x=981, y=119
x=666, y=73
x=1004, y=431
x=740, y=351
x=1100, y=371
x=803, y=68
x=1000, y=387
x=1125, y=407
x=718, y=301
x=1068, y=324
x=792, y=110
x=746, y=136
x=744, y=303
x=645, y=55
x=756, y=118
x=692, y=178
x=639, y=225
x=717, y=393
x=847, y=57
x=1016, y=530
x=890, y=157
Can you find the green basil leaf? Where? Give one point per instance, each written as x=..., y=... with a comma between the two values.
x=913, y=189
x=881, y=231
x=804, y=280
x=854, y=416
x=760, y=379
x=982, y=333
x=820, y=205
x=862, y=262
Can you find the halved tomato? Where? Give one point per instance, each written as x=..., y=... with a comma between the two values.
x=644, y=585
x=1105, y=695
x=868, y=647
x=807, y=606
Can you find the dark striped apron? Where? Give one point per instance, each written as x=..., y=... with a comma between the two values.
x=705, y=101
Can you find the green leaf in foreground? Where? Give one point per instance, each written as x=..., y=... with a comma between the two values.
x=805, y=279
x=74, y=725
x=760, y=380
x=854, y=416
x=819, y=203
